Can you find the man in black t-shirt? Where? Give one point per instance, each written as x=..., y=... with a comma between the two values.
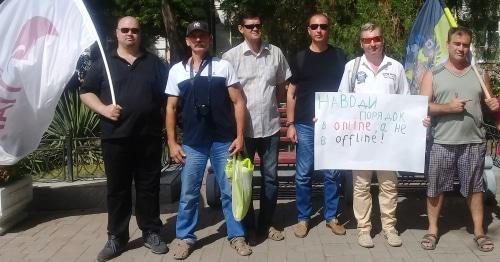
x=318, y=68
x=130, y=137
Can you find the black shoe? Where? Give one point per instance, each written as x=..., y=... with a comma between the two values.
x=113, y=248
x=155, y=242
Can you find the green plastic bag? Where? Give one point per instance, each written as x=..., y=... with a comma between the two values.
x=240, y=171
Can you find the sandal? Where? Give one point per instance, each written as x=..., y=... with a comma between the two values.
x=429, y=241
x=241, y=247
x=180, y=249
x=275, y=234
x=484, y=243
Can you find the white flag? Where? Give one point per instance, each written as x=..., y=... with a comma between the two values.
x=40, y=45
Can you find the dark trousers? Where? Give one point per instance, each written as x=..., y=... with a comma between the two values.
x=130, y=159
x=267, y=149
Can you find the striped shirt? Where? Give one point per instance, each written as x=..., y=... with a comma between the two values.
x=259, y=75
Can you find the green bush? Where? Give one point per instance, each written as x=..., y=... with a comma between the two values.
x=74, y=122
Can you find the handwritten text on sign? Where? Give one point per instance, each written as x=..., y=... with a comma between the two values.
x=369, y=132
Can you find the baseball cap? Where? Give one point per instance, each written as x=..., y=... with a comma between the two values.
x=197, y=25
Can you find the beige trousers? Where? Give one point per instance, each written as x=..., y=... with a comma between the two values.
x=362, y=198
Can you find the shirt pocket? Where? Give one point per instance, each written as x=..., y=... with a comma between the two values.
x=270, y=74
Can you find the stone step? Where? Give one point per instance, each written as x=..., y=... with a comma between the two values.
x=92, y=194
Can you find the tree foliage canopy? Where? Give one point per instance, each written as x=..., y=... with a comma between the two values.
x=285, y=20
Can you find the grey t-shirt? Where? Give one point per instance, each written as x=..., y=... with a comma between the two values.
x=457, y=128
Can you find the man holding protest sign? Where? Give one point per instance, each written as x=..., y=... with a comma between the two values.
x=374, y=72
x=130, y=137
x=458, y=147
x=319, y=68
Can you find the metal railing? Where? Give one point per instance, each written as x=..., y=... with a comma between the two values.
x=492, y=143
x=71, y=159
x=66, y=159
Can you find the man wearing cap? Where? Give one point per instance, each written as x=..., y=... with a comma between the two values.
x=213, y=118
x=130, y=137
x=262, y=69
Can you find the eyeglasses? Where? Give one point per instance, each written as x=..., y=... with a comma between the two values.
x=134, y=31
x=252, y=26
x=315, y=26
x=375, y=39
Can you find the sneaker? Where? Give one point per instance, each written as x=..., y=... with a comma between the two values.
x=241, y=246
x=154, y=241
x=181, y=248
x=301, y=229
x=364, y=239
x=275, y=234
x=113, y=248
x=393, y=238
x=336, y=227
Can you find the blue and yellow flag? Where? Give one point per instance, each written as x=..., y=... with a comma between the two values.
x=427, y=42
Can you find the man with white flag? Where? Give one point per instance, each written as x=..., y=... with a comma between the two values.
x=131, y=130
x=41, y=42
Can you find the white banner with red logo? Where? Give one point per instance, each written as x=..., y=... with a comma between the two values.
x=40, y=45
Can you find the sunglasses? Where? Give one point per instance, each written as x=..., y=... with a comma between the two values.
x=375, y=39
x=252, y=26
x=315, y=26
x=125, y=30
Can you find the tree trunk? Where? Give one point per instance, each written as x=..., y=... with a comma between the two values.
x=176, y=45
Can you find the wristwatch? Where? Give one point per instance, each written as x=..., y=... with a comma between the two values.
x=289, y=123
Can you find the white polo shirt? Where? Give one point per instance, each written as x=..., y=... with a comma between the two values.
x=219, y=124
x=390, y=78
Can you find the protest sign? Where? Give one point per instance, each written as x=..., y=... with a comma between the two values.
x=369, y=132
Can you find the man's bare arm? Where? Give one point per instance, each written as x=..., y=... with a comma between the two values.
x=281, y=91
x=239, y=115
x=95, y=104
x=290, y=112
x=176, y=151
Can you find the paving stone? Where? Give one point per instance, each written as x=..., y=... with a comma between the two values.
x=80, y=235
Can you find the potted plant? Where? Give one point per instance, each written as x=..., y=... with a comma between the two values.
x=16, y=192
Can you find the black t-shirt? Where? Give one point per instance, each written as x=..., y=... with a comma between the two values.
x=315, y=72
x=139, y=90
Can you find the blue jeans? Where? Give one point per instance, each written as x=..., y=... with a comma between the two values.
x=191, y=178
x=304, y=172
x=267, y=149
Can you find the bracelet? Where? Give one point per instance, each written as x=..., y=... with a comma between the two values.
x=289, y=123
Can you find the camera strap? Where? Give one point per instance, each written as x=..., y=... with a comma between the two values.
x=204, y=63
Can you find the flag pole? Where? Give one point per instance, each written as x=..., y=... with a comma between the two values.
x=447, y=13
x=89, y=23
x=453, y=23
x=108, y=74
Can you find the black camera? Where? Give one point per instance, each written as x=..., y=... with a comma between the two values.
x=203, y=110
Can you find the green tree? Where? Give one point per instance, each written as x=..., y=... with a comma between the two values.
x=284, y=21
x=168, y=18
